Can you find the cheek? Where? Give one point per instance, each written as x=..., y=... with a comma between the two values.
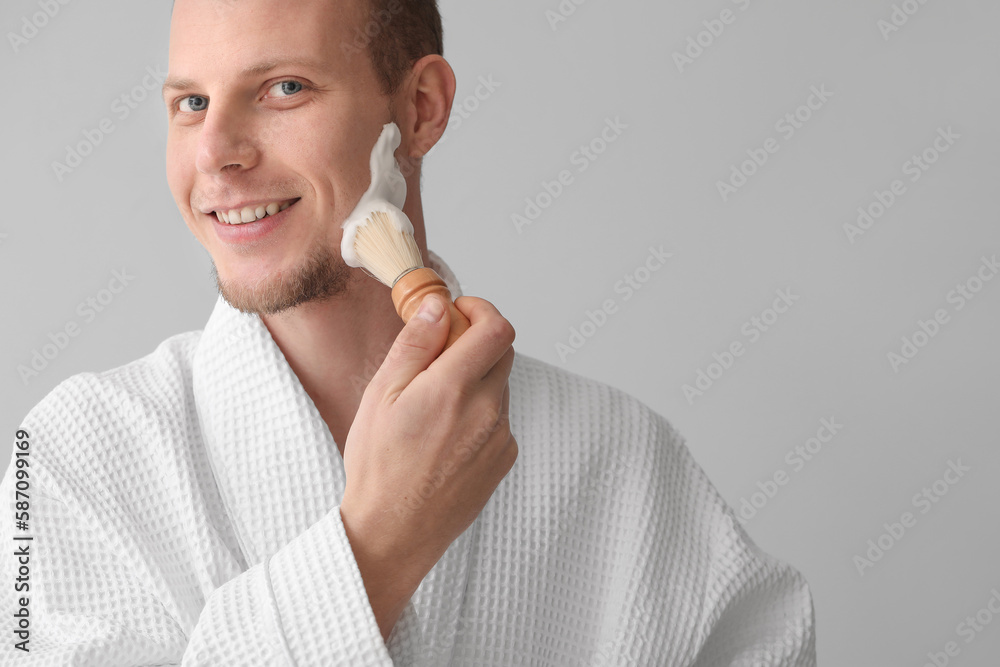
x=341, y=171
x=180, y=171
x=179, y=176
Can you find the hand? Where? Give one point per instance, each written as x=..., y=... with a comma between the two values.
x=430, y=443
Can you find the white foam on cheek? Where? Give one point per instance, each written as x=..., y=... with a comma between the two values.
x=387, y=192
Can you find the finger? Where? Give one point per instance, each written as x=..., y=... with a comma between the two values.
x=417, y=345
x=479, y=349
x=497, y=377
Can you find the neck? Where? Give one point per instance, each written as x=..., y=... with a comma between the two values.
x=335, y=346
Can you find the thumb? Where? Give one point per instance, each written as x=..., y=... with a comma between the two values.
x=417, y=345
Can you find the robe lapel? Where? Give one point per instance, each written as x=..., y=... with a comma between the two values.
x=273, y=457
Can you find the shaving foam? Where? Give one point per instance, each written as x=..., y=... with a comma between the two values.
x=387, y=193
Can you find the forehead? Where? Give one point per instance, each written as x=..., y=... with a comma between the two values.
x=215, y=38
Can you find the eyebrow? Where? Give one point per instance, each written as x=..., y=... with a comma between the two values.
x=176, y=83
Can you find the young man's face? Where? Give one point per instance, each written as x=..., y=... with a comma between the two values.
x=271, y=102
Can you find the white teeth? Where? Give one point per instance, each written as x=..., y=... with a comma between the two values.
x=250, y=213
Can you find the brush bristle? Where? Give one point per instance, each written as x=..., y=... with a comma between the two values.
x=384, y=250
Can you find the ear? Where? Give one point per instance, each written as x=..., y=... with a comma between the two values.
x=426, y=104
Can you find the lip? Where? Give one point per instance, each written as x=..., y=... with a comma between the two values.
x=249, y=233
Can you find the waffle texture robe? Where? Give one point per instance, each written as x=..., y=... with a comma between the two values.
x=184, y=510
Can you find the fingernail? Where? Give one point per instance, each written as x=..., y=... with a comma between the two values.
x=431, y=309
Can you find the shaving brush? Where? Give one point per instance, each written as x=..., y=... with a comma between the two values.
x=391, y=255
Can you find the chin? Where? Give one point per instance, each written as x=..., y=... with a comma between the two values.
x=321, y=275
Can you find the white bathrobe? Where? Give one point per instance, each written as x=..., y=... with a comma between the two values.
x=184, y=510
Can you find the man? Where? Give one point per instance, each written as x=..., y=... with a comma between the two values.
x=484, y=508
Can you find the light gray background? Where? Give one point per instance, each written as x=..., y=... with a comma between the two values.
x=655, y=185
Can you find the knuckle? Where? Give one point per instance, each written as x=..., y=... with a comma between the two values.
x=511, y=331
x=405, y=344
x=501, y=331
x=405, y=347
x=510, y=452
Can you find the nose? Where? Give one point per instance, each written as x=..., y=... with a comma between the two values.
x=226, y=143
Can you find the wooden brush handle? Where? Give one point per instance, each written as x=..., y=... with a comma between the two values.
x=411, y=289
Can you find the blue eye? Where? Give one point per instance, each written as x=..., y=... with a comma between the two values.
x=286, y=88
x=193, y=103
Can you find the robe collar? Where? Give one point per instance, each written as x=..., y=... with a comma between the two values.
x=274, y=459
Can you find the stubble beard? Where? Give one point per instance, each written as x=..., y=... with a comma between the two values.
x=320, y=276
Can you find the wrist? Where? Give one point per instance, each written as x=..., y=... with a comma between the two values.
x=390, y=574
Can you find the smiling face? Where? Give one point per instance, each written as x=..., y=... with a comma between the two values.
x=271, y=124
